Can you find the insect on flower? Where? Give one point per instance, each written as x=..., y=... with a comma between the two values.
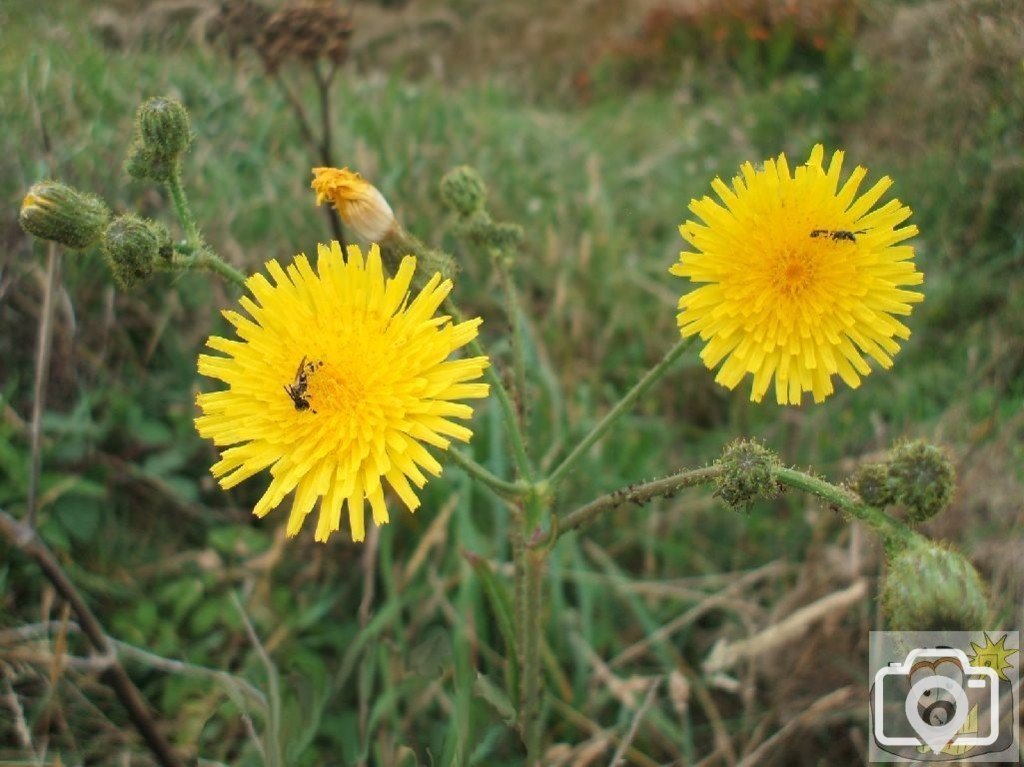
x=838, y=234
x=298, y=390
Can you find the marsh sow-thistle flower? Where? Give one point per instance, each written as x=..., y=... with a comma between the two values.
x=359, y=203
x=338, y=379
x=801, y=277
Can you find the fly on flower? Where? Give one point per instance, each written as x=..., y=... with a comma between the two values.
x=375, y=384
x=799, y=278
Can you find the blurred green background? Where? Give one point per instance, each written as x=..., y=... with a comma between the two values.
x=594, y=124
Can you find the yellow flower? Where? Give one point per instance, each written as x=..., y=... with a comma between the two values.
x=802, y=277
x=338, y=379
x=360, y=203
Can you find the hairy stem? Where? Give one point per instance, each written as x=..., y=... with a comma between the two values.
x=637, y=494
x=532, y=686
x=620, y=409
x=25, y=538
x=891, y=530
x=181, y=207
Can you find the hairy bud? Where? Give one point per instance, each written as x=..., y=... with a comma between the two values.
x=463, y=190
x=54, y=211
x=929, y=588
x=164, y=126
x=133, y=247
x=871, y=482
x=748, y=473
x=162, y=134
x=922, y=478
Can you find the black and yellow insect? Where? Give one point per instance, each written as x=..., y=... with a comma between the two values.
x=297, y=390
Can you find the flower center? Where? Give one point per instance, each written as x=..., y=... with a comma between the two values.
x=333, y=389
x=794, y=272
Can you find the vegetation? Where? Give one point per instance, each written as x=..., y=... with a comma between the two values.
x=369, y=653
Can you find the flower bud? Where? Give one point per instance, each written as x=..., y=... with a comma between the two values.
x=463, y=190
x=164, y=126
x=922, y=478
x=871, y=482
x=929, y=588
x=359, y=203
x=748, y=473
x=55, y=211
x=133, y=247
x=143, y=163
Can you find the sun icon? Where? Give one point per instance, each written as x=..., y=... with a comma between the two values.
x=993, y=655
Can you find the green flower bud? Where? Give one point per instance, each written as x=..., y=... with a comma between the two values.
x=922, y=478
x=164, y=126
x=143, y=163
x=871, y=482
x=133, y=247
x=929, y=588
x=748, y=473
x=54, y=211
x=463, y=190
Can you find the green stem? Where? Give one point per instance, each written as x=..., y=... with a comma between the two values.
x=532, y=687
x=890, y=529
x=211, y=262
x=188, y=223
x=515, y=435
x=637, y=494
x=623, y=405
x=518, y=352
x=498, y=485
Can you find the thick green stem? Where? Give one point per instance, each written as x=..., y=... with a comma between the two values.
x=531, y=677
x=623, y=406
x=638, y=494
x=498, y=485
x=891, y=530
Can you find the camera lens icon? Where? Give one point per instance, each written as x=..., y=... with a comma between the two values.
x=936, y=707
x=941, y=720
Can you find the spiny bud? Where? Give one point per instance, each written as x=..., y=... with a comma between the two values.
x=463, y=190
x=922, y=478
x=164, y=126
x=930, y=588
x=748, y=473
x=359, y=203
x=480, y=229
x=162, y=134
x=54, y=211
x=871, y=482
x=133, y=247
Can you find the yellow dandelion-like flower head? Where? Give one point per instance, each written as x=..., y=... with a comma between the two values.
x=801, y=277
x=359, y=203
x=337, y=380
